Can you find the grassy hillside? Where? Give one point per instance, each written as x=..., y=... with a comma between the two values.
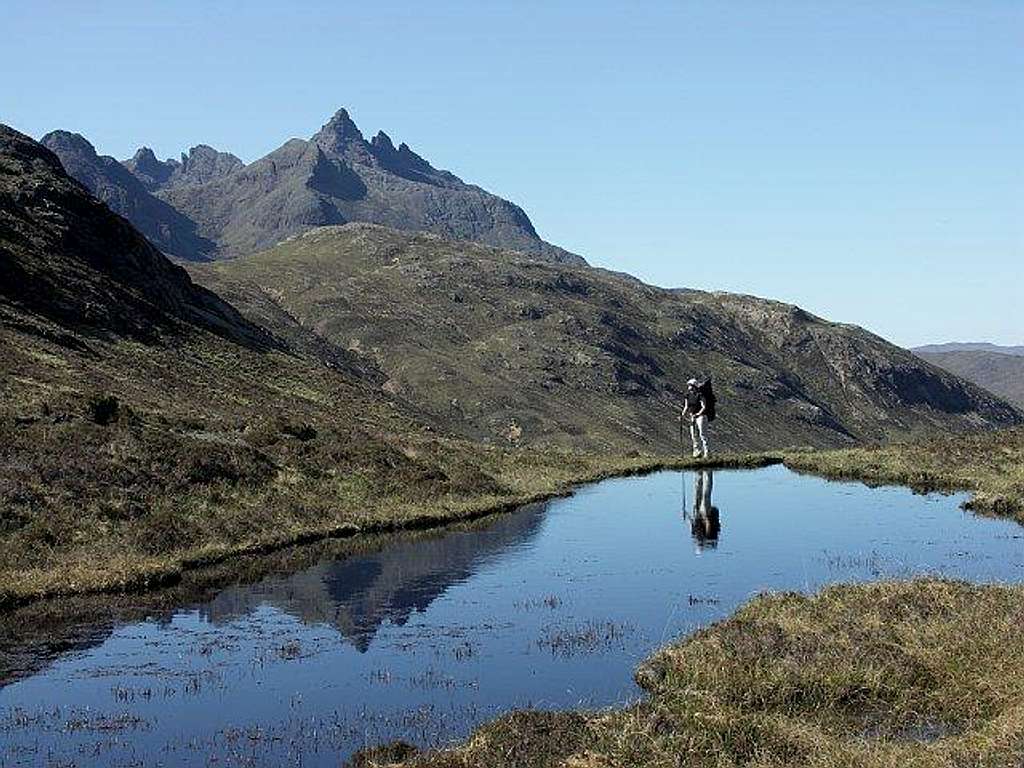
x=924, y=673
x=999, y=373
x=146, y=427
x=582, y=357
x=209, y=449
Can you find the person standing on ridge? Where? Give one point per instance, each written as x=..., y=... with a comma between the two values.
x=695, y=405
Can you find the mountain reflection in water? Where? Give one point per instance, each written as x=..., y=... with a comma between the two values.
x=358, y=594
x=304, y=656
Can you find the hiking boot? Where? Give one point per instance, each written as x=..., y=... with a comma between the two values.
x=696, y=454
x=704, y=455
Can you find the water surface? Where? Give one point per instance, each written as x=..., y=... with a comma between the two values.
x=552, y=606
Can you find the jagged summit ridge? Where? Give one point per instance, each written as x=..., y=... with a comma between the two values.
x=209, y=204
x=201, y=164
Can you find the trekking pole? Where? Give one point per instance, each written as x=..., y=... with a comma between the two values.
x=682, y=486
x=681, y=451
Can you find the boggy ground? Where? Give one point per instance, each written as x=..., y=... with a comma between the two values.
x=925, y=673
x=922, y=673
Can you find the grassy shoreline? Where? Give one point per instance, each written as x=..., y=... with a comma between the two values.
x=926, y=673
x=989, y=465
x=523, y=478
x=294, y=510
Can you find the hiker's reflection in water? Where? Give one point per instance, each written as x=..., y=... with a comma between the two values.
x=705, y=525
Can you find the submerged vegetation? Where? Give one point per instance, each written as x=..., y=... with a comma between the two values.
x=921, y=673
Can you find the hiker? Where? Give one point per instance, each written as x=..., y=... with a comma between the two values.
x=706, y=523
x=698, y=404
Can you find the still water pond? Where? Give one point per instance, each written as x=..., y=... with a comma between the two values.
x=552, y=606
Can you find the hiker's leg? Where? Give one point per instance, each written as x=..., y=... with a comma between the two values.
x=695, y=437
x=701, y=423
x=705, y=488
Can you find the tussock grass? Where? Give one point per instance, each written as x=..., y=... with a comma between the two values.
x=989, y=464
x=925, y=673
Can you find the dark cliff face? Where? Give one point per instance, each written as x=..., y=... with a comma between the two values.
x=164, y=226
x=67, y=257
x=210, y=204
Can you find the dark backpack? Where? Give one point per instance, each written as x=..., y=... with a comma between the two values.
x=709, y=399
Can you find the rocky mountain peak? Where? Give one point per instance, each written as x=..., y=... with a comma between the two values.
x=153, y=173
x=67, y=141
x=204, y=163
x=144, y=157
x=339, y=133
x=382, y=143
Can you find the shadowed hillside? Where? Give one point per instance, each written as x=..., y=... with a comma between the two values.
x=168, y=229
x=998, y=372
x=67, y=258
x=585, y=357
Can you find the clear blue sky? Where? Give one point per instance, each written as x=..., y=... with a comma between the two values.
x=862, y=159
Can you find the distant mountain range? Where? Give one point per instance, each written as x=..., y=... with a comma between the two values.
x=970, y=346
x=997, y=368
x=210, y=205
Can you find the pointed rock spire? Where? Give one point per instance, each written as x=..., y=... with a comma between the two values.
x=382, y=144
x=339, y=133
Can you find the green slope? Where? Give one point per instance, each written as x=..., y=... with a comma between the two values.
x=582, y=357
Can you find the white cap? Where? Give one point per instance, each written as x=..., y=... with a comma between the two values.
x=692, y=383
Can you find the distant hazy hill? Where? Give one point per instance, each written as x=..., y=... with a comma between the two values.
x=978, y=346
x=477, y=337
x=168, y=229
x=336, y=176
x=998, y=372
